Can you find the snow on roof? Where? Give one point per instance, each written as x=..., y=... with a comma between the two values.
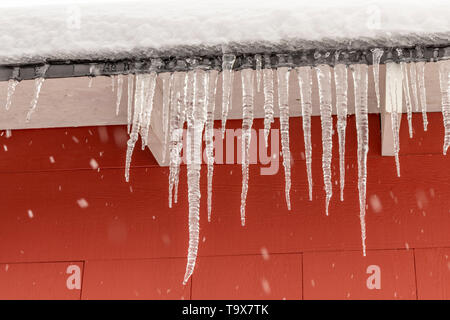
x=111, y=28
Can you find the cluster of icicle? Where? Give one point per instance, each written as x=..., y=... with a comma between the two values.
x=189, y=98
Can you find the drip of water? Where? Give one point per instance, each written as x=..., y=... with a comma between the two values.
x=137, y=121
x=423, y=94
x=359, y=72
x=165, y=109
x=258, y=60
x=377, y=53
x=196, y=117
x=209, y=133
x=38, y=82
x=178, y=84
x=268, y=100
x=405, y=85
x=283, y=98
x=305, y=83
x=247, y=76
x=341, y=83
x=324, y=81
x=119, y=92
x=444, y=80
x=227, y=86
x=149, y=91
x=131, y=79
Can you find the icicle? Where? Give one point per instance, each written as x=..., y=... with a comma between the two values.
x=119, y=92
x=92, y=72
x=413, y=74
x=12, y=83
x=341, y=82
x=305, y=83
x=131, y=78
x=405, y=85
x=444, y=80
x=268, y=99
x=362, y=127
x=394, y=86
x=149, y=90
x=258, y=59
x=177, y=107
x=137, y=120
x=165, y=109
x=40, y=72
x=376, y=58
x=196, y=117
x=423, y=94
x=209, y=133
x=324, y=81
x=283, y=101
x=113, y=83
x=247, y=76
x=227, y=86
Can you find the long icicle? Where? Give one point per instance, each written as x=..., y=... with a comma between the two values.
x=413, y=74
x=227, y=85
x=444, y=80
x=196, y=118
x=377, y=53
x=167, y=89
x=247, y=76
x=38, y=82
x=362, y=127
x=130, y=84
x=148, y=107
x=305, y=83
x=12, y=83
x=283, y=102
x=258, y=61
x=341, y=83
x=178, y=83
x=405, y=85
x=393, y=93
x=119, y=92
x=137, y=118
x=209, y=133
x=324, y=81
x=423, y=93
x=268, y=98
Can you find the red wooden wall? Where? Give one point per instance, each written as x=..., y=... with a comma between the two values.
x=128, y=244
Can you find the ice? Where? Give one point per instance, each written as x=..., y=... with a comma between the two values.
x=423, y=94
x=405, y=82
x=177, y=107
x=305, y=83
x=413, y=74
x=113, y=83
x=247, y=76
x=341, y=83
x=12, y=83
x=165, y=77
x=359, y=72
x=324, y=81
x=394, y=80
x=136, y=125
x=376, y=57
x=119, y=92
x=196, y=114
x=444, y=80
x=149, y=93
x=227, y=86
x=209, y=133
x=283, y=101
x=40, y=72
x=131, y=79
x=268, y=99
x=258, y=60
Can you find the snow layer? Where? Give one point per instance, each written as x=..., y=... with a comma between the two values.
x=81, y=29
